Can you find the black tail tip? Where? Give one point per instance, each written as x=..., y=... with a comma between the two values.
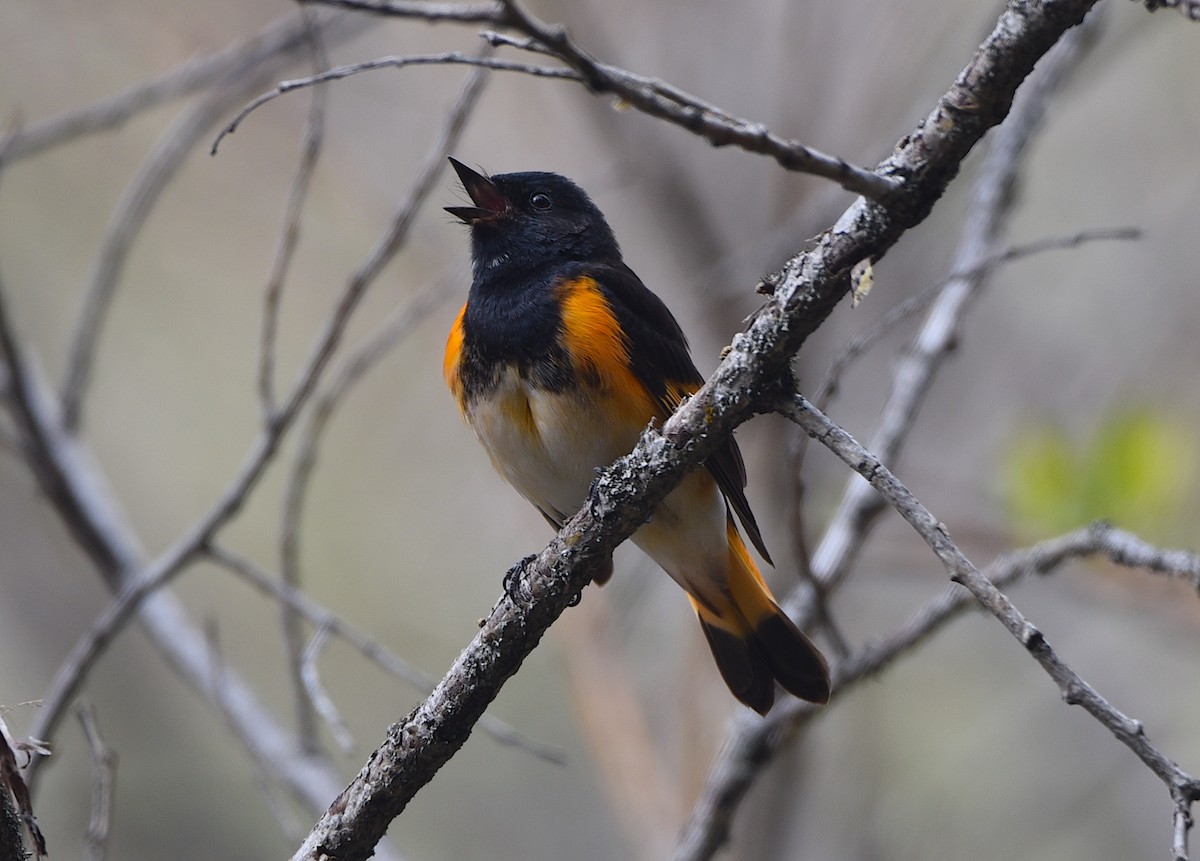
x=777, y=651
x=795, y=662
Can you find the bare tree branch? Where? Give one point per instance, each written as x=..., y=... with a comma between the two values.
x=289, y=235
x=370, y=648
x=314, y=131
x=160, y=572
x=1188, y=8
x=987, y=215
x=445, y=58
x=283, y=36
x=672, y=104
x=742, y=756
x=463, y=13
x=310, y=674
x=104, y=786
x=624, y=494
x=145, y=188
x=649, y=95
x=755, y=742
x=16, y=805
x=1182, y=786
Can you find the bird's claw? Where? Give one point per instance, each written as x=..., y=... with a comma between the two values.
x=514, y=582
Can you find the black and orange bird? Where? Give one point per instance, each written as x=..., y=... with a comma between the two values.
x=559, y=360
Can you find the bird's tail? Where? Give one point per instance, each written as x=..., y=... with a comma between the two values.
x=754, y=643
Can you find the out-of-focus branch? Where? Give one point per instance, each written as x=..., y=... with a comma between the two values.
x=446, y=58
x=344, y=378
x=758, y=741
x=289, y=234
x=977, y=256
x=616, y=726
x=75, y=485
x=152, y=178
x=289, y=237
x=1182, y=786
x=987, y=214
x=1188, y=8
x=104, y=785
x=283, y=36
x=370, y=648
x=863, y=341
x=135, y=589
x=651, y=96
x=754, y=367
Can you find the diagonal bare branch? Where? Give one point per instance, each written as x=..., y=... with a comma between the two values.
x=154, y=175
x=666, y=102
x=446, y=58
x=283, y=36
x=368, y=647
x=104, y=779
x=1075, y=691
x=757, y=741
x=152, y=577
x=649, y=95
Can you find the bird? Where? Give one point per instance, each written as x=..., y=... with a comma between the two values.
x=559, y=360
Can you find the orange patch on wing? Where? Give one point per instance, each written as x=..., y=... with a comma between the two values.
x=746, y=583
x=597, y=346
x=454, y=346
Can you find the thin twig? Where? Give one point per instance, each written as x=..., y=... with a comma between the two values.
x=649, y=95
x=1074, y=690
x=141, y=195
x=988, y=212
x=310, y=673
x=371, y=649
x=736, y=771
x=175, y=559
x=104, y=786
x=463, y=13
x=352, y=369
x=282, y=36
x=289, y=234
x=338, y=72
x=830, y=384
x=314, y=131
x=667, y=102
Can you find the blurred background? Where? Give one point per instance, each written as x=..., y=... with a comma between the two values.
x=1072, y=395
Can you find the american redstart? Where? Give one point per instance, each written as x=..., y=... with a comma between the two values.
x=559, y=359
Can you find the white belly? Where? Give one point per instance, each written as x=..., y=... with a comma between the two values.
x=548, y=445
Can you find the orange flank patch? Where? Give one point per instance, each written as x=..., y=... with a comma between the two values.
x=598, y=348
x=454, y=346
x=746, y=585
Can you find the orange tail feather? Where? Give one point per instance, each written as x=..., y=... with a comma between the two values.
x=753, y=641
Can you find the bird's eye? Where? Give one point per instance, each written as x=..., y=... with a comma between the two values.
x=540, y=200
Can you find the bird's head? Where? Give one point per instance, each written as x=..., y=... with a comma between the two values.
x=524, y=221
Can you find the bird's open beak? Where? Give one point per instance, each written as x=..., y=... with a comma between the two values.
x=489, y=202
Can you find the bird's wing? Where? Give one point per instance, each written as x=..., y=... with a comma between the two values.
x=661, y=362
